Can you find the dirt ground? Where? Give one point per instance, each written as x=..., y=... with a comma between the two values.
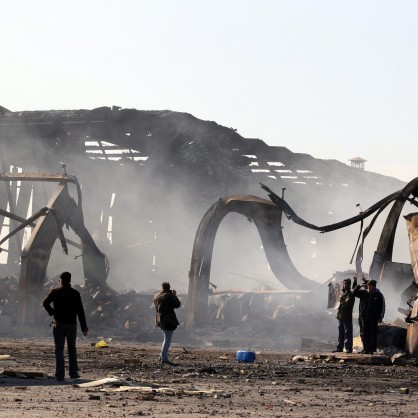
x=206, y=382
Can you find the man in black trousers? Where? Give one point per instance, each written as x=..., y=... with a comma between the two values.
x=67, y=306
x=371, y=313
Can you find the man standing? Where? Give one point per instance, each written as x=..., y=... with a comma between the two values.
x=371, y=313
x=361, y=306
x=345, y=319
x=165, y=302
x=67, y=306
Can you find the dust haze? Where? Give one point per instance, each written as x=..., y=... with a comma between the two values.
x=144, y=214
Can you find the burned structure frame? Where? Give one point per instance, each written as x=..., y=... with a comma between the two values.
x=267, y=217
x=60, y=210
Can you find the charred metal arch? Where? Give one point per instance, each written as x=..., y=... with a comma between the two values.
x=383, y=256
x=267, y=219
x=382, y=267
x=61, y=209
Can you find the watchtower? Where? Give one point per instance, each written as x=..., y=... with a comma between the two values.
x=357, y=162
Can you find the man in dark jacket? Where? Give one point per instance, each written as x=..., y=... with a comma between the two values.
x=67, y=306
x=361, y=305
x=371, y=313
x=165, y=302
x=345, y=319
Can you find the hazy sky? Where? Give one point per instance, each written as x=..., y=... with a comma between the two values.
x=334, y=79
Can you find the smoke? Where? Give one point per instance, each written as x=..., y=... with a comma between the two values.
x=239, y=260
x=144, y=214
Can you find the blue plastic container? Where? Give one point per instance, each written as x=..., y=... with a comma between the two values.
x=245, y=356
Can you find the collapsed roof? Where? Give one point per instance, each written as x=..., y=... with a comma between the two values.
x=149, y=176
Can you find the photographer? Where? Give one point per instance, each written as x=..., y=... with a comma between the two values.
x=165, y=302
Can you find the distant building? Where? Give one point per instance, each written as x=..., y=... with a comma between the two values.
x=357, y=162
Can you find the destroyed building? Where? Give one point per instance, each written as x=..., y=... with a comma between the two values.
x=147, y=178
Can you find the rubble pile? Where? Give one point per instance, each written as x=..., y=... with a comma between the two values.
x=266, y=320
x=253, y=318
x=8, y=301
x=250, y=319
x=105, y=308
x=131, y=312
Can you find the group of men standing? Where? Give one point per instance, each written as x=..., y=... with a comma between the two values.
x=67, y=306
x=371, y=313
x=64, y=304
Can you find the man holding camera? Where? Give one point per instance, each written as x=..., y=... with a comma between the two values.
x=165, y=302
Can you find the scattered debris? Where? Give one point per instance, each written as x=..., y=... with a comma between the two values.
x=102, y=382
x=24, y=374
x=7, y=360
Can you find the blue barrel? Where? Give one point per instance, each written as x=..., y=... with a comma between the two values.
x=245, y=356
